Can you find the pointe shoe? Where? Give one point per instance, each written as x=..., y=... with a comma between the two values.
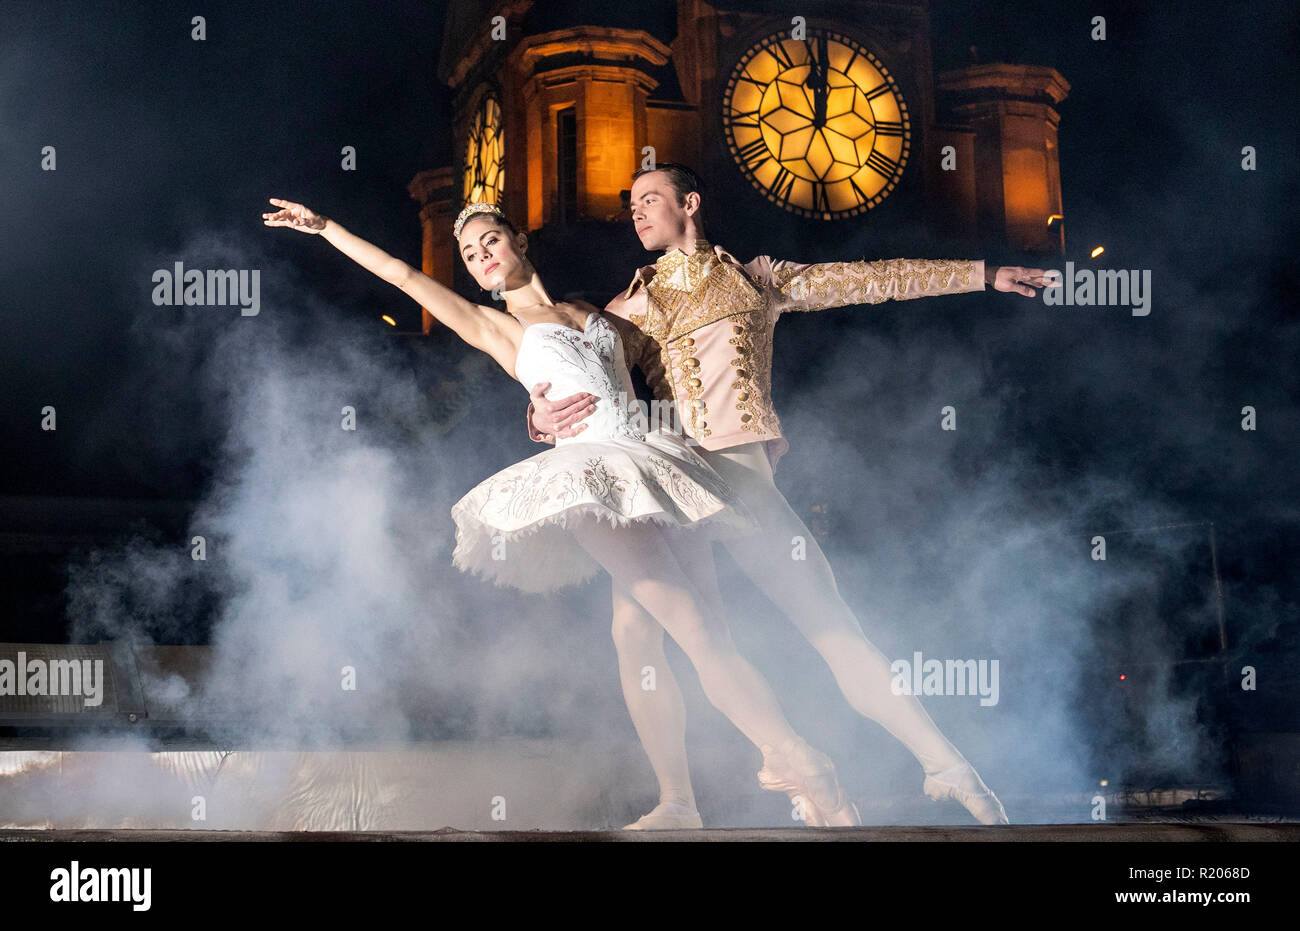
x=962, y=784
x=667, y=816
x=800, y=771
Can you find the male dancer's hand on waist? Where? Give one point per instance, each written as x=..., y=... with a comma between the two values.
x=551, y=420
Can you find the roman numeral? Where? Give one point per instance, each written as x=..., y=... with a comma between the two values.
x=754, y=152
x=881, y=89
x=821, y=201
x=858, y=193
x=783, y=184
x=889, y=128
x=882, y=165
x=777, y=51
x=816, y=50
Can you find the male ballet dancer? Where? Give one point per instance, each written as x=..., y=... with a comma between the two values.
x=701, y=332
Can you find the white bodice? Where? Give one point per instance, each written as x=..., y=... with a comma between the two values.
x=589, y=361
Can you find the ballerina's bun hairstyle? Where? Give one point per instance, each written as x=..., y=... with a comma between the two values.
x=491, y=211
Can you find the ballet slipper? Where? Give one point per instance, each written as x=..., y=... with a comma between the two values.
x=808, y=775
x=962, y=784
x=667, y=816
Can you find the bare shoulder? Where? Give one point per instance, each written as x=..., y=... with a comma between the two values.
x=577, y=311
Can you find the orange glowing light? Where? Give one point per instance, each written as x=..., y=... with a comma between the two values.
x=1055, y=216
x=389, y=320
x=1098, y=251
x=484, y=158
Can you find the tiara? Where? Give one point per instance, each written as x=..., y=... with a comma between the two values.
x=469, y=211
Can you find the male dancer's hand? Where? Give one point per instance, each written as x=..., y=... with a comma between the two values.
x=551, y=420
x=1018, y=279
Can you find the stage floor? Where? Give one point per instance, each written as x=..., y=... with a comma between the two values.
x=1217, y=831
x=524, y=790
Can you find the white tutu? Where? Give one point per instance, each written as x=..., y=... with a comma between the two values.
x=511, y=528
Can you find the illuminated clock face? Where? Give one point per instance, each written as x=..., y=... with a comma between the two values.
x=817, y=125
x=483, y=169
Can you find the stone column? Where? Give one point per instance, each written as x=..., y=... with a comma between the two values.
x=437, y=192
x=1011, y=110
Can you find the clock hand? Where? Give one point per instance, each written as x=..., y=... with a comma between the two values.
x=822, y=85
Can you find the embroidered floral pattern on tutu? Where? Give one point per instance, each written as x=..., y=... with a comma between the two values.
x=533, y=488
x=602, y=482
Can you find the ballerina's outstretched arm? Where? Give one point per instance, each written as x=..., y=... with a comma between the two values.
x=490, y=330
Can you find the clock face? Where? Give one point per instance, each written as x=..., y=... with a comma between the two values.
x=817, y=125
x=483, y=168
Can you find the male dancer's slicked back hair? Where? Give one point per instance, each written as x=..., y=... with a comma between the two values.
x=682, y=180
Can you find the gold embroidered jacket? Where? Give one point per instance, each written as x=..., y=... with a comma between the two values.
x=701, y=328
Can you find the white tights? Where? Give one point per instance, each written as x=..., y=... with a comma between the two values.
x=668, y=576
x=806, y=591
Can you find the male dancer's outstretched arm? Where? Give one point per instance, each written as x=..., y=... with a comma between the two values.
x=834, y=284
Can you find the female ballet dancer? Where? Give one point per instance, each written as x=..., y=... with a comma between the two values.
x=630, y=500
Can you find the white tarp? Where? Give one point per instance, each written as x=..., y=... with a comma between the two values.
x=526, y=784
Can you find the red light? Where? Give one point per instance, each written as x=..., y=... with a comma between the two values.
x=1122, y=676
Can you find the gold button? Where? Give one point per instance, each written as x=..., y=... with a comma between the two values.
x=743, y=395
x=692, y=362
x=737, y=328
x=688, y=341
x=746, y=418
x=695, y=383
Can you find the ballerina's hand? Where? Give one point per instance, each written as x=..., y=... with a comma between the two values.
x=294, y=215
